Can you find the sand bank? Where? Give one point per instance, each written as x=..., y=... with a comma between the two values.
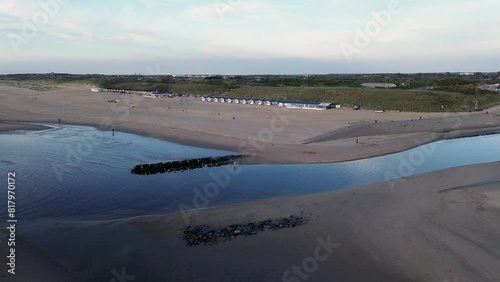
x=272, y=134
x=440, y=226
x=9, y=126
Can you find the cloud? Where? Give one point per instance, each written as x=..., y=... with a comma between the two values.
x=254, y=29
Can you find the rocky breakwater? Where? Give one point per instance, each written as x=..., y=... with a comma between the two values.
x=184, y=165
x=206, y=235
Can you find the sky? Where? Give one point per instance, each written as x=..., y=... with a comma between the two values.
x=249, y=36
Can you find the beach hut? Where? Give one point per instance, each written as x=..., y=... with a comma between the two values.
x=259, y=102
x=215, y=99
x=251, y=102
x=228, y=100
x=243, y=101
x=208, y=99
x=236, y=101
x=203, y=99
x=267, y=103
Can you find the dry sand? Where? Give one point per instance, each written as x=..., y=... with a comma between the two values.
x=273, y=134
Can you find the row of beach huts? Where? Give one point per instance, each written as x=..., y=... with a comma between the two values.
x=146, y=94
x=284, y=104
x=244, y=101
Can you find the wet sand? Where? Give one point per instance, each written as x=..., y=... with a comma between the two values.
x=440, y=226
x=10, y=126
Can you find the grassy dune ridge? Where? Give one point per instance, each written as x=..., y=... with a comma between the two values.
x=387, y=99
x=449, y=93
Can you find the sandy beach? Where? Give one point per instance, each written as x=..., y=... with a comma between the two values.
x=270, y=134
x=440, y=226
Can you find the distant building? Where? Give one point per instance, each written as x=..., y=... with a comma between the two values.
x=305, y=105
x=466, y=73
x=95, y=89
x=379, y=85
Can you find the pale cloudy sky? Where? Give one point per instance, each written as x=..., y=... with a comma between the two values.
x=247, y=36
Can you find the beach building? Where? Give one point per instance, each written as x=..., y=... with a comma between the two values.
x=215, y=99
x=243, y=101
x=379, y=85
x=229, y=100
x=95, y=89
x=251, y=102
x=259, y=102
x=305, y=105
x=203, y=99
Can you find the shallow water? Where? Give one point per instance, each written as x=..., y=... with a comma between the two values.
x=78, y=172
